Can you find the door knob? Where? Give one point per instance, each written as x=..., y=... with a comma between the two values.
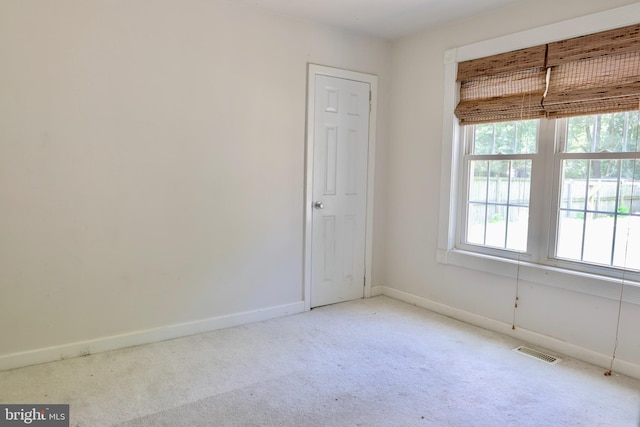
x=318, y=205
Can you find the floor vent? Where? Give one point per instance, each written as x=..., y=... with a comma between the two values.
x=537, y=355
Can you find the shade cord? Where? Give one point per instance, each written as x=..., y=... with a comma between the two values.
x=517, y=296
x=626, y=254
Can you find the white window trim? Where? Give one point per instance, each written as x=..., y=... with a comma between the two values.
x=453, y=152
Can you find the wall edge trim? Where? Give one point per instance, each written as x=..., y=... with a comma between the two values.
x=589, y=356
x=147, y=336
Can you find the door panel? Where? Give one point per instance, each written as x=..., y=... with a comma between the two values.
x=341, y=138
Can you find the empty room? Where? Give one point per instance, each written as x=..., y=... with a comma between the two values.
x=330, y=213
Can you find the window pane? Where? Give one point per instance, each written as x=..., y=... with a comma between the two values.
x=520, y=186
x=476, y=220
x=615, y=132
x=573, y=190
x=478, y=180
x=506, y=138
x=527, y=137
x=626, y=253
x=496, y=226
x=603, y=185
x=633, y=132
x=629, y=187
x=498, y=181
x=483, y=139
x=517, y=227
x=570, y=228
x=598, y=238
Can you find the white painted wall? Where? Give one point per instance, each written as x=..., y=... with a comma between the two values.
x=579, y=323
x=152, y=165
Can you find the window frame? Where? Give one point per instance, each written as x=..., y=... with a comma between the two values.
x=536, y=264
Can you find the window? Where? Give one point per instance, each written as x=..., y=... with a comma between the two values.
x=574, y=88
x=594, y=194
x=598, y=214
x=546, y=157
x=498, y=170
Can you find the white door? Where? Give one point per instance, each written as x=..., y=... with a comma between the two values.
x=339, y=200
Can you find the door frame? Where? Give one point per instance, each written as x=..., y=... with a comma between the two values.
x=313, y=71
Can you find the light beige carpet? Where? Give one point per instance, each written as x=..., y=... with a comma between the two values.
x=375, y=362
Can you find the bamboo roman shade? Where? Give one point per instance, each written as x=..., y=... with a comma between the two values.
x=593, y=74
x=503, y=87
x=598, y=73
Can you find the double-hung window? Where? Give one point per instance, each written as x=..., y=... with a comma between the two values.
x=597, y=214
x=550, y=161
x=499, y=159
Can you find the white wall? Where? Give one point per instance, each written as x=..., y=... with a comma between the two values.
x=581, y=324
x=152, y=164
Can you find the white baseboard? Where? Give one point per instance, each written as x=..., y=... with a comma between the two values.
x=377, y=290
x=571, y=350
x=83, y=348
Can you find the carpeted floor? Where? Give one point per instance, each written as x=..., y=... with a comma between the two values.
x=374, y=362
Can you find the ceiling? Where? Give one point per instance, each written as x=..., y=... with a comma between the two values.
x=389, y=19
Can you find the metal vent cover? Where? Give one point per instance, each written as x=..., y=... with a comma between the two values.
x=535, y=354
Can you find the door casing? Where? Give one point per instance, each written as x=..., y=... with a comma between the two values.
x=313, y=71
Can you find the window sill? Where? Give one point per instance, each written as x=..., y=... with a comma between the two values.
x=562, y=278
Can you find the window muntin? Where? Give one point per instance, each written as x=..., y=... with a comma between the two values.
x=498, y=165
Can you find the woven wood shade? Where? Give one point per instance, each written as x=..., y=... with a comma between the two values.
x=594, y=74
x=502, y=87
x=594, y=86
x=612, y=42
x=503, y=63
